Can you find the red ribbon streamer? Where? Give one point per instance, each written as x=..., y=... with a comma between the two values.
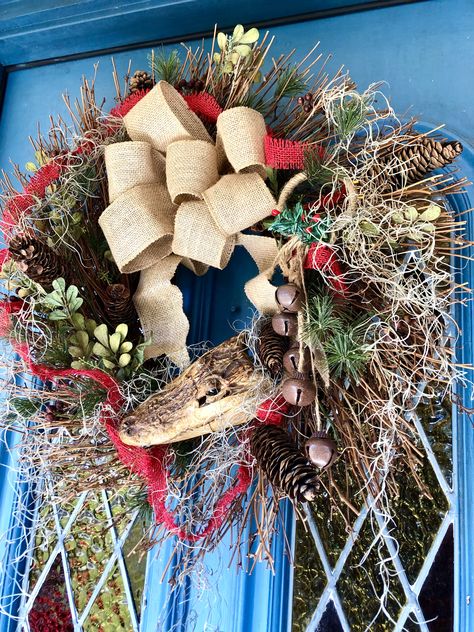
x=323, y=258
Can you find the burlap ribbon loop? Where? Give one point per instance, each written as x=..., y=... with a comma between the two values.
x=171, y=160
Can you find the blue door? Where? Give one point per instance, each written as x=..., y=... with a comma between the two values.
x=424, y=51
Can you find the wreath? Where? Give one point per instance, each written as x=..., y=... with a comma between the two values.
x=316, y=398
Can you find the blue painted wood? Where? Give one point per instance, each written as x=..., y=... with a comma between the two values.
x=25, y=26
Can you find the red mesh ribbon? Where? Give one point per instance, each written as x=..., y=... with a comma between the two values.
x=204, y=104
x=284, y=154
x=322, y=257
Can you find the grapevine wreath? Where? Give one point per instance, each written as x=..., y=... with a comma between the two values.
x=315, y=399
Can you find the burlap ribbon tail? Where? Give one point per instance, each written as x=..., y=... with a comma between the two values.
x=177, y=197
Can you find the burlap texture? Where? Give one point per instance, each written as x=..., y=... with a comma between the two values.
x=139, y=227
x=162, y=117
x=242, y=132
x=160, y=308
x=197, y=237
x=131, y=164
x=191, y=168
x=259, y=290
x=171, y=158
x=238, y=201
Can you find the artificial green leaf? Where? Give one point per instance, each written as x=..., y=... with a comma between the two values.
x=122, y=329
x=369, y=229
x=76, y=304
x=90, y=326
x=108, y=364
x=125, y=359
x=78, y=321
x=415, y=235
x=250, y=37
x=26, y=408
x=30, y=166
x=126, y=347
x=102, y=334
x=217, y=58
x=76, y=352
x=71, y=293
x=431, y=214
x=398, y=218
x=115, y=341
x=59, y=285
x=234, y=58
x=52, y=301
x=238, y=32
x=222, y=40
x=82, y=338
x=78, y=365
x=243, y=50
x=427, y=227
x=58, y=314
x=228, y=68
x=411, y=214
x=100, y=350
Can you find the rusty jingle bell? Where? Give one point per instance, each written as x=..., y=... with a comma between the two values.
x=285, y=324
x=288, y=298
x=321, y=450
x=291, y=360
x=298, y=391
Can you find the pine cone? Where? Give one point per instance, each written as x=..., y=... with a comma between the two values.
x=271, y=348
x=37, y=260
x=141, y=80
x=118, y=304
x=426, y=155
x=284, y=464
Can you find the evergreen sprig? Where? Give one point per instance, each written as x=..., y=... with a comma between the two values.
x=341, y=337
x=289, y=83
x=166, y=66
x=351, y=114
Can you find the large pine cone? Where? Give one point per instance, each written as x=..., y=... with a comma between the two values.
x=37, y=260
x=284, y=464
x=271, y=348
x=141, y=80
x=426, y=155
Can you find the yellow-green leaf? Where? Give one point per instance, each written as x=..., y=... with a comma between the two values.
x=411, y=214
x=122, y=329
x=369, y=229
x=398, y=218
x=126, y=347
x=228, y=68
x=238, y=32
x=76, y=352
x=222, y=40
x=234, y=58
x=30, y=166
x=242, y=49
x=125, y=359
x=250, y=37
x=109, y=364
x=115, y=341
x=427, y=227
x=99, y=350
x=102, y=334
x=82, y=338
x=217, y=58
x=431, y=214
x=78, y=365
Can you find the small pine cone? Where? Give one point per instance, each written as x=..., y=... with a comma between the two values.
x=37, y=260
x=119, y=305
x=141, y=80
x=271, y=348
x=284, y=464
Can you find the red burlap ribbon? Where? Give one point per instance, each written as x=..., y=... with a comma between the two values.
x=323, y=258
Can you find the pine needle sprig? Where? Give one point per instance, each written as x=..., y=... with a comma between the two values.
x=350, y=114
x=290, y=83
x=320, y=320
x=317, y=167
x=166, y=66
x=347, y=355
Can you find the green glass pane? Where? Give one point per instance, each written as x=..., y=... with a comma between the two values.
x=309, y=579
x=134, y=553
x=360, y=586
x=436, y=417
x=109, y=612
x=89, y=546
x=333, y=517
x=418, y=517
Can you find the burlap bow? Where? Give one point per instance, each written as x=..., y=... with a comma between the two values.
x=175, y=196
